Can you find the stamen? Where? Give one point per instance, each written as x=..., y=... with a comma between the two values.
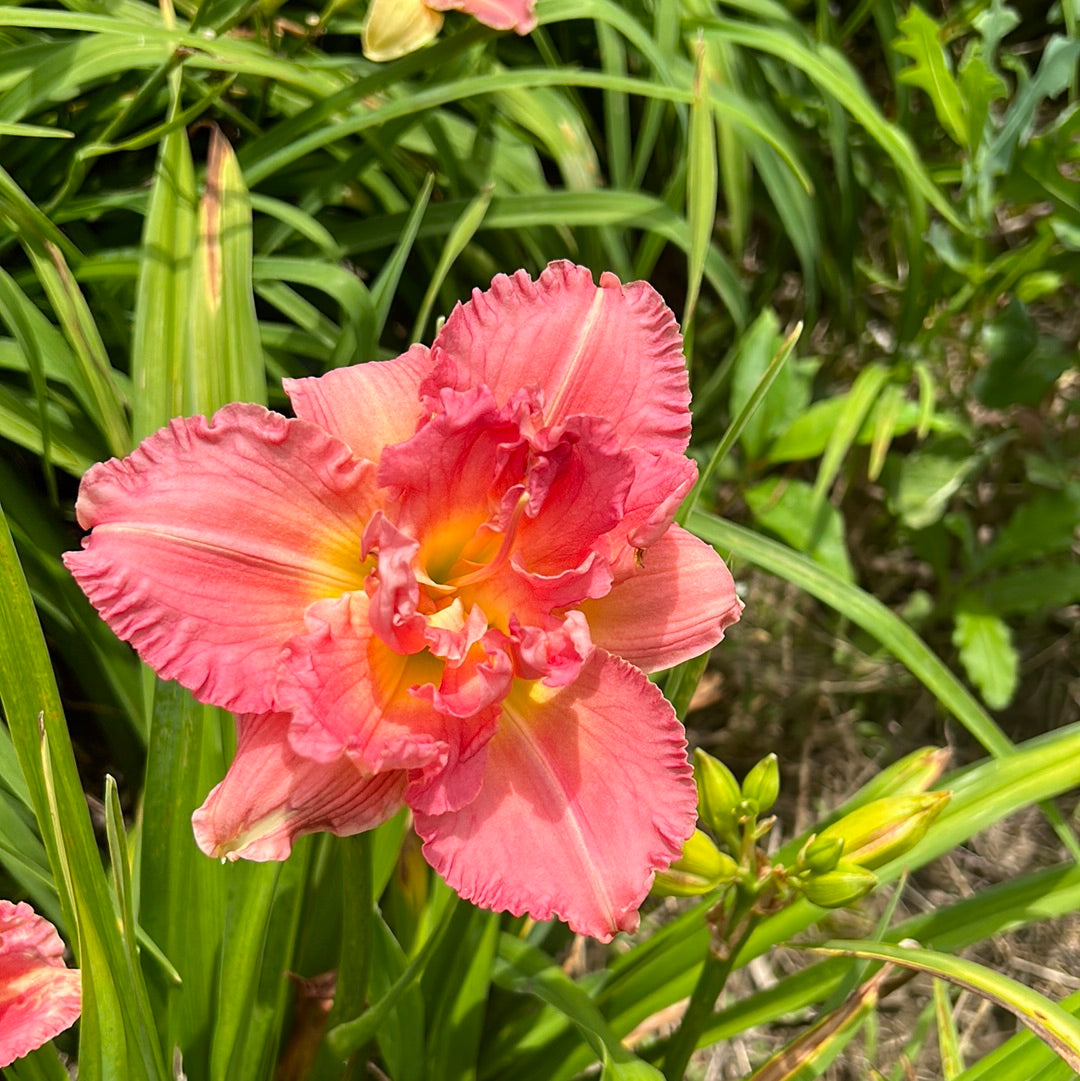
x=502, y=555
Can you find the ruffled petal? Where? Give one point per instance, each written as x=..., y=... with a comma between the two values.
x=349, y=694
x=676, y=606
x=39, y=995
x=481, y=678
x=578, y=481
x=213, y=537
x=586, y=793
x=555, y=655
x=271, y=796
x=392, y=586
x=498, y=14
x=395, y=28
x=369, y=406
x=612, y=351
x=449, y=478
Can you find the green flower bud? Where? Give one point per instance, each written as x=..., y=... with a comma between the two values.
x=718, y=793
x=761, y=785
x=913, y=773
x=820, y=854
x=701, y=868
x=887, y=828
x=846, y=883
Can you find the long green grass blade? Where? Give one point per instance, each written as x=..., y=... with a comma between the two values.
x=114, y=1042
x=160, y=338
x=1053, y=1025
x=227, y=363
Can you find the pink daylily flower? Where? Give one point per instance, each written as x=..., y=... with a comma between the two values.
x=39, y=994
x=394, y=28
x=440, y=585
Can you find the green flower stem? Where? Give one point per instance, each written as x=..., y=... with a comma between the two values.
x=714, y=975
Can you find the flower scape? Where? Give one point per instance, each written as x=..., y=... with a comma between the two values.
x=39, y=995
x=440, y=585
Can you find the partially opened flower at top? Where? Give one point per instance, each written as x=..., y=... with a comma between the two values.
x=39, y=994
x=440, y=585
x=394, y=28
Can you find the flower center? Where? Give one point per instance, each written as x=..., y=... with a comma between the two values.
x=463, y=577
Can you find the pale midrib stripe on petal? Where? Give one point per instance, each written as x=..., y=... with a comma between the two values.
x=562, y=798
x=570, y=374
x=304, y=567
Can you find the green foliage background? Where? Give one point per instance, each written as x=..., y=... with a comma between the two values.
x=195, y=203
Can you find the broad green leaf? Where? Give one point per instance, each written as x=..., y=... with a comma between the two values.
x=1044, y=526
x=181, y=892
x=1045, y=586
x=262, y=913
x=748, y=409
x=921, y=483
x=932, y=72
x=350, y=1036
x=455, y=1020
x=1023, y=1057
x=1023, y=366
x=787, y=508
x=525, y=968
x=810, y=432
x=980, y=88
x=401, y=1035
x=987, y=653
x=787, y=397
x=1057, y=67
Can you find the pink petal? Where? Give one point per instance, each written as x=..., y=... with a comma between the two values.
x=457, y=466
x=212, y=538
x=579, y=481
x=480, y=679
x=349, y=694
x=498, y=14
x=369, y=406
x=675, y=607
x=39, y=994
x=392, y=586
x=271, y=795
x=555, y=656
x=612, y=351
x=586, y=794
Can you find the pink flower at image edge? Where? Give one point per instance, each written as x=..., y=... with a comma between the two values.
x=39, y=994
x=441, y=585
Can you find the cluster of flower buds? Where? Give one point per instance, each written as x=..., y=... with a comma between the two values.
x=834, y=866
x=735, y=815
